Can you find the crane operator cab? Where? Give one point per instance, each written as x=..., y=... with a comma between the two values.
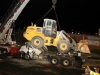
x=50, y=28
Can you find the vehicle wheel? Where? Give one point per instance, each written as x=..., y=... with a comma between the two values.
x=65, y=62
x=63, y=46
x=27, y=57
x=5, y=51
x=53, y=60
x=37, y=42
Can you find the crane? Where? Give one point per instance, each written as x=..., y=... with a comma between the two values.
x=9, y=19
x=7, y=23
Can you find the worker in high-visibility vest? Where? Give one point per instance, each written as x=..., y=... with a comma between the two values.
x=96, y=72
x=87, y=72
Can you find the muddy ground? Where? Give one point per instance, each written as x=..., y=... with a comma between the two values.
x=18, y=66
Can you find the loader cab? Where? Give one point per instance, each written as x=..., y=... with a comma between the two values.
x=49, y=27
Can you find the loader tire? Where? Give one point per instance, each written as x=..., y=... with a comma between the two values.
x=53, y=60
x=37, y=42
x=65, y=62
x=63, y=46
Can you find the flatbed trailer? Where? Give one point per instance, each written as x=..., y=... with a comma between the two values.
x=72, y=58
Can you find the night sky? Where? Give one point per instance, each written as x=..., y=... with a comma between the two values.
x=73, y=15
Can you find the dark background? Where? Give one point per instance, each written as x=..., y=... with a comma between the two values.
x=73, y=15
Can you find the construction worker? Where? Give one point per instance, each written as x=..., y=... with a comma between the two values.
x=86, y=72
x=96, y=72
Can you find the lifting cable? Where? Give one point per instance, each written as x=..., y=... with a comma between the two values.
x=56, y=17
x=53, y=7
x=43, y=16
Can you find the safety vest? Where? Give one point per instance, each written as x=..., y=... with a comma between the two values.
x=94, y=73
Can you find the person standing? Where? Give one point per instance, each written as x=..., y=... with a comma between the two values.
x=96, y=72
x=86, y=72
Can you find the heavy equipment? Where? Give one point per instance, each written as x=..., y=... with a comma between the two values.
x=72, y=58
x=49, y=36
x=41, y=38
x=6, y=27
x=65, y=52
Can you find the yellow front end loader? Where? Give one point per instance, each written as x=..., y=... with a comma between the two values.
x=35, y=36
x=47, y=35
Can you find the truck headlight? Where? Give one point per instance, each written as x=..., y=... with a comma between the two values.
x=30, y=51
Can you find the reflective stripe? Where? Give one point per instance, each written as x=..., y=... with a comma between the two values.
x=94, y=73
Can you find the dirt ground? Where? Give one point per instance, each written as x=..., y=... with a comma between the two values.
x=16, y=66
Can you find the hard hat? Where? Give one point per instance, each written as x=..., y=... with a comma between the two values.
x=96, y=67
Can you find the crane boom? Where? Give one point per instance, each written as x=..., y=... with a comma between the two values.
x=12, y=16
